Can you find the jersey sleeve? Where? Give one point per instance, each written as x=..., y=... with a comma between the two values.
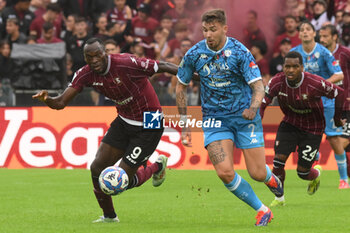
x=270, y=92
x=77, y=80
x=328, y=89
x=248, y=67
x=140, y=66
x=186, y=69
x=332, y=64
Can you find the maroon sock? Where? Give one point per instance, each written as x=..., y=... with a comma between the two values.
x=104, y=200
x=312, y=175
x=280, y=173
x=143, y=174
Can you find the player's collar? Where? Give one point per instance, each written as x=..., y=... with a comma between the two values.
x=299, y=83
x=108, y=65
x=336, y=48
x=219, y=49
x=313, y=50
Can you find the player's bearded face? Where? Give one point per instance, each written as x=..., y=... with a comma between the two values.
x=326, y=38
x=215, y=34
x=292, y=69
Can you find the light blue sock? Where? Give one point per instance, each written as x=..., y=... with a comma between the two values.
x=244, y=191
x=341, y=162
x=268, y=174
x=317, y=156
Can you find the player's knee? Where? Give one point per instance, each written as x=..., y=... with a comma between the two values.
x=95, y=169
x=226, y=175
x=303, y=174
x=258, y=174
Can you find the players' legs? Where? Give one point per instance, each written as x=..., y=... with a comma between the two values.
x=220, y=154
x=106, y=156
x=340, y=156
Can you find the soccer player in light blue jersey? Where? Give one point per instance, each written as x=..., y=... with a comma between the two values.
x=231, y=92
x=319, y=60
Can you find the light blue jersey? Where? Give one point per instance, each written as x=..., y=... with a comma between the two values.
x=225, y=76
x=320, y=61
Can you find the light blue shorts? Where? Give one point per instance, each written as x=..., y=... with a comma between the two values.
x=244, y=133
x=331, y=129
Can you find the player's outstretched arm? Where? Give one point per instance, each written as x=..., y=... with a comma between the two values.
x=58, y=102
x=257, y=97
x=181, y=102
x=167, y=67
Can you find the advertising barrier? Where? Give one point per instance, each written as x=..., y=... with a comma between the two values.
x=39, y=137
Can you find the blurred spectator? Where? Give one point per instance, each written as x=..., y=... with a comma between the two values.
x=38, y=7
x=167, y=23
x=84, y=8
x=69, y=65
x=160, y=42
x=144, y=26
x=252, y=32
x=13, y=33
x=258, y=50
x=69, y=27
x=181, y=32
x=48, y=35
x=159, y=7
x=20, y=11
x=178, y=11
x=346, y=29
x=309, y=12
x=276, y=63
x=320, y=14
x=31, y=40
x=291, y=32
x=120, y=13
x=138, y=48
x=100, y=29
x=51, y=14
x=2, y=23
x=75, y=44
x=339, y=20
x=6, y=63
x=111, y=46
x=342, y=5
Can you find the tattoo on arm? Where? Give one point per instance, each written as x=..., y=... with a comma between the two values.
x=216, y=152
x=258, y=94
x=181, y=99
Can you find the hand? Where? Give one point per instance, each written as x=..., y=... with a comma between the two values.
x=41, y=96
x=186, y=137
x=248, y=114
x=339, y=122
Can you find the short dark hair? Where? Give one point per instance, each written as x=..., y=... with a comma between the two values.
x=294, y=54
x=290, y=17
x=254, y=13
x=332, y=28
x=93, y=40
x=307, y=22
x=47, y=26
x=53, y=7
x=216, y=15
x=110, y=41
x=13, y=20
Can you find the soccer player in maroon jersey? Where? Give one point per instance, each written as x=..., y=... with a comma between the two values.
x=299, y=95
x=123, y=78
x=329, y=37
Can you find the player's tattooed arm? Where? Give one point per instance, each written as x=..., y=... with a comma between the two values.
x=257, y=97
x=181, y=102
x=216, y=152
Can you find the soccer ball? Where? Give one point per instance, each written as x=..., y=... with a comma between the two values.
x=113, y=180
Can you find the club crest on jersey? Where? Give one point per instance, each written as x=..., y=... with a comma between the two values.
x=253, y=65
x=228, y=52
x=317, y=54
x=304, y=96
x=117, y=80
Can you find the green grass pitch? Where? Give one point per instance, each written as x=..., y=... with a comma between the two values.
x=49, y=200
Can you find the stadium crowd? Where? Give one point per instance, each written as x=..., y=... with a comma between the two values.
x=158, y=29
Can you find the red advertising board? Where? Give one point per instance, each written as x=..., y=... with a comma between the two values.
x=39, y=137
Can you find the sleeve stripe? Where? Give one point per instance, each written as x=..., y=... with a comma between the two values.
x=340, y=72
x=182, y=82
x=155, y=67
x=254, y=80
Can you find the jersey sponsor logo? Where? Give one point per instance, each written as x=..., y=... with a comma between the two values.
x=204, y=56
x=123, y=102
x=217, y=82
x=253, y=65
x=300, y=111
x=311, y=66
x=97, y=84
x=281, y=93
x=152, y=120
